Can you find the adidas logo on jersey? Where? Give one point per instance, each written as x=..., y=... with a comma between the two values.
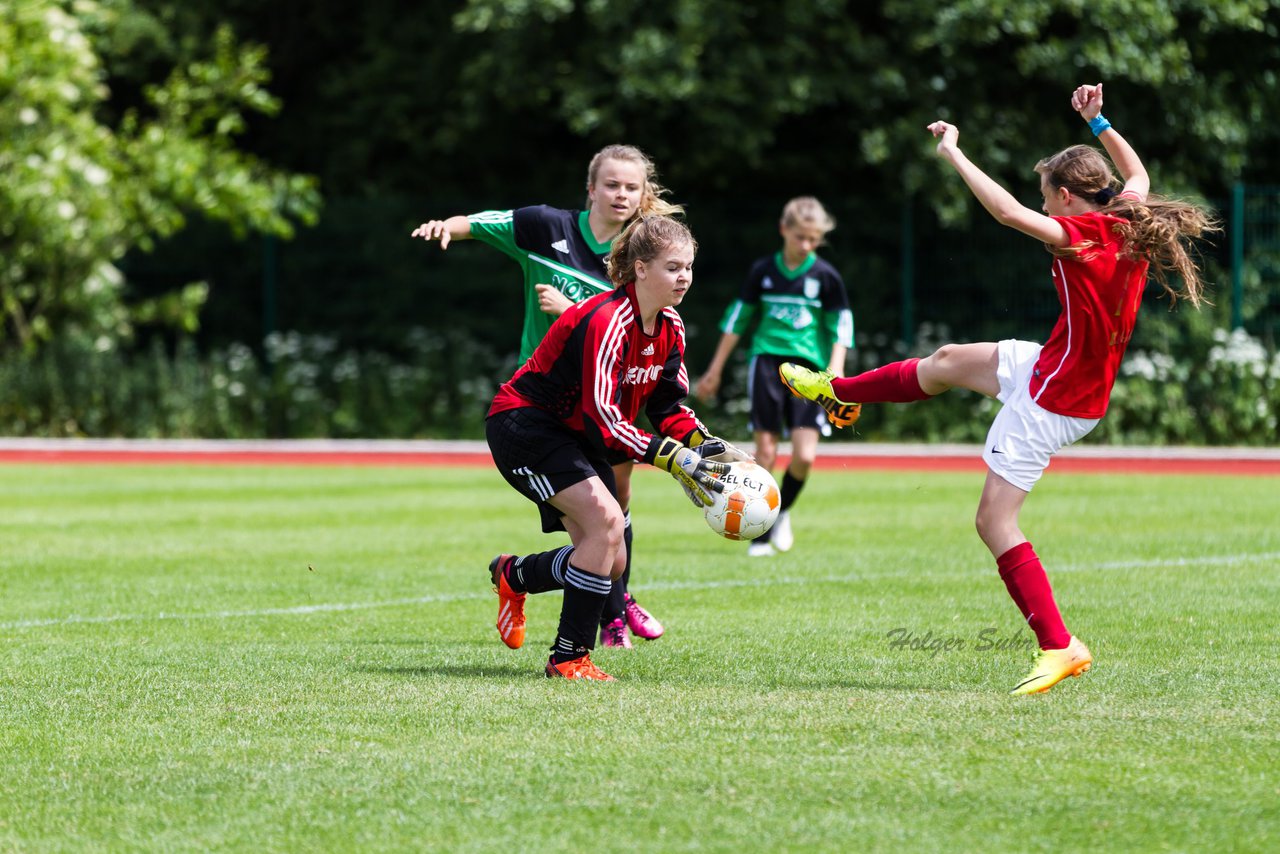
x=647, y=351
x=561, y=246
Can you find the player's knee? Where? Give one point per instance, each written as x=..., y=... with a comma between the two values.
x=995, y=530
x=985, y=523
x=940, y=370
x=614, y=531
x=944, y=357
x=598, y=551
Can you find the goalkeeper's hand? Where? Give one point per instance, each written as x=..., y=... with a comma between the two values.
x=716, y=449
x=690, y=470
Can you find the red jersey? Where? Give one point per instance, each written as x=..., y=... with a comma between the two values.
x=596, y=370
x=1100, y=291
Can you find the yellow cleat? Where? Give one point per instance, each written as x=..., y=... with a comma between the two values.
x=1054, y=665
x=816, y=386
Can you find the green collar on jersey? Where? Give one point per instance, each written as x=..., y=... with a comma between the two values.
x=585, y=227
x=805, y=266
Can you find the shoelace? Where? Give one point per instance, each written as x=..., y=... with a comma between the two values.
x=635, y=612
x=583, y=665
x=616, y=633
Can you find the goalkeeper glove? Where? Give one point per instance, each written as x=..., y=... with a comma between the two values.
x=691, y=471
x=716, y=449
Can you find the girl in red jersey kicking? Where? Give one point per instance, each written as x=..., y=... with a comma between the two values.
x=1103, y=245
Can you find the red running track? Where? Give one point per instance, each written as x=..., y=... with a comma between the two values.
x=1264, y=462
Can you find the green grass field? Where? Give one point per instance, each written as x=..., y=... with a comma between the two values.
x=303, y=659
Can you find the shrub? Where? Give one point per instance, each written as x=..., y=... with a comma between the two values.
x=1200, y=385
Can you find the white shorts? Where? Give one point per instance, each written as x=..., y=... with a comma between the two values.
x=1024, y=436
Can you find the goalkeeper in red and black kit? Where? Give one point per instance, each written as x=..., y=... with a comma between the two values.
x=557, y=427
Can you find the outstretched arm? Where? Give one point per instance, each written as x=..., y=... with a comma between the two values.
x=1087, y=101
x=998, y=201
x=838, y=354
x=444, y=230
x=709, y=382
x=551, y=301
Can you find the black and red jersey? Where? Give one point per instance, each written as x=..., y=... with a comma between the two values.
x=596, y=371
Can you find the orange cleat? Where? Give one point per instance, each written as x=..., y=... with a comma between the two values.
x=510, y=603
x=577, y=668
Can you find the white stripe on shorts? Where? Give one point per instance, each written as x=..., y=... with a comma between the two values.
x=537, y=482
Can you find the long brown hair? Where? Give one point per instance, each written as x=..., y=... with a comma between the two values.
x=651, y=201
x=1160, y=230
x=643, y=240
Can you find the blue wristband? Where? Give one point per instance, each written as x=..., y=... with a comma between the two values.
x=1098, y=124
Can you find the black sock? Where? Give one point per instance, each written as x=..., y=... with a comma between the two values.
x=791, y=486
x=615, y=606
x=538, y=573
x=584, y=596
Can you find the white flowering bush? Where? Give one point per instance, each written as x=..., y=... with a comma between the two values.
x=300, y=386
x=1220, y=387
x=1200, y=386
x=1224, y=390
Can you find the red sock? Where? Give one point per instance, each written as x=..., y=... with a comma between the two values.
x=895, y=382
x=1027, y=583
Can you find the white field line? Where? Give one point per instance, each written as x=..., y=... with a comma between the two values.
x=431, y=599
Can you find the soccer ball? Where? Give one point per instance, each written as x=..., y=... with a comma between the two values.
x=749, y=504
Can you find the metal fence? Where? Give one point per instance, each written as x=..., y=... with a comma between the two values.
x=984, y=281
x=359, y=278
x=1253, y=231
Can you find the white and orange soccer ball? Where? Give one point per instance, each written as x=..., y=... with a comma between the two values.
x=749, y=504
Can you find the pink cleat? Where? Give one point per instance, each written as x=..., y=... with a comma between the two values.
x=641, y=622
x=615, y=634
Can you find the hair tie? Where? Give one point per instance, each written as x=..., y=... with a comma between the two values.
x=1104, y=195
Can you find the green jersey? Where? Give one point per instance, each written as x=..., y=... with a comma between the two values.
x=552, y=247
x=802, y=312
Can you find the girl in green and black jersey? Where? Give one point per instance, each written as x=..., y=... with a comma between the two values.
x=796, y=308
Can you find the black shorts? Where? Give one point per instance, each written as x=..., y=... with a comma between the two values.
x=539, y=457
x=774, y=409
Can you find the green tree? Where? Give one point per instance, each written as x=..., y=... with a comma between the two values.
x=725, y=80
x=80, y=187
x=467, y=104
